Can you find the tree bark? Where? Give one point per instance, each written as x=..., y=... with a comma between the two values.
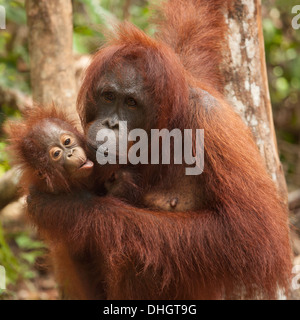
x=9, y=187
x=50, y=47
x=126, y=8
x=246, y=82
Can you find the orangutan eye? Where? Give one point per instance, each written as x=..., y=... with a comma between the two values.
x=67, y=142
x=66, y=139
x=131, y=103
x=108, y=96
x=55, y=153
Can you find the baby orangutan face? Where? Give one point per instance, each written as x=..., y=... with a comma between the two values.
x=65, y=150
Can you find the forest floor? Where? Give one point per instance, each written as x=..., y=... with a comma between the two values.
x=35, y=279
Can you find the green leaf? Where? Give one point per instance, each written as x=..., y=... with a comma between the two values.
x=31, y=256
x=25, y=242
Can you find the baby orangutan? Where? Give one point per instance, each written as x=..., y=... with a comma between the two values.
x=51, y=152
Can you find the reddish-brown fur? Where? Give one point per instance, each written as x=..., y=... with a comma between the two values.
x=38, y=172
x=237, y=245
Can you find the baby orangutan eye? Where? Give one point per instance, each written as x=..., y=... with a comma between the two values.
x=55, y=153
x=66, y=140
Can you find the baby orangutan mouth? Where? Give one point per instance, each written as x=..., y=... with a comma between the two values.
x=86, y=165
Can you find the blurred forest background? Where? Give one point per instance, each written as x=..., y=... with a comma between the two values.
x=20, y=248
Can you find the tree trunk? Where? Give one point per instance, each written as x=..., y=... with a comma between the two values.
x=246, y=88
x=9, y=187
x=50, y=46
x=246, y=84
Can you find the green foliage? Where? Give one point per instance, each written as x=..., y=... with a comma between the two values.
x=6, y=112
x=91, y=16
x=8, y=260
x=27, y=252
x=30, y=250
x=13, y=48
x=282, y=45
x=4, y=164
x=15, y=10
